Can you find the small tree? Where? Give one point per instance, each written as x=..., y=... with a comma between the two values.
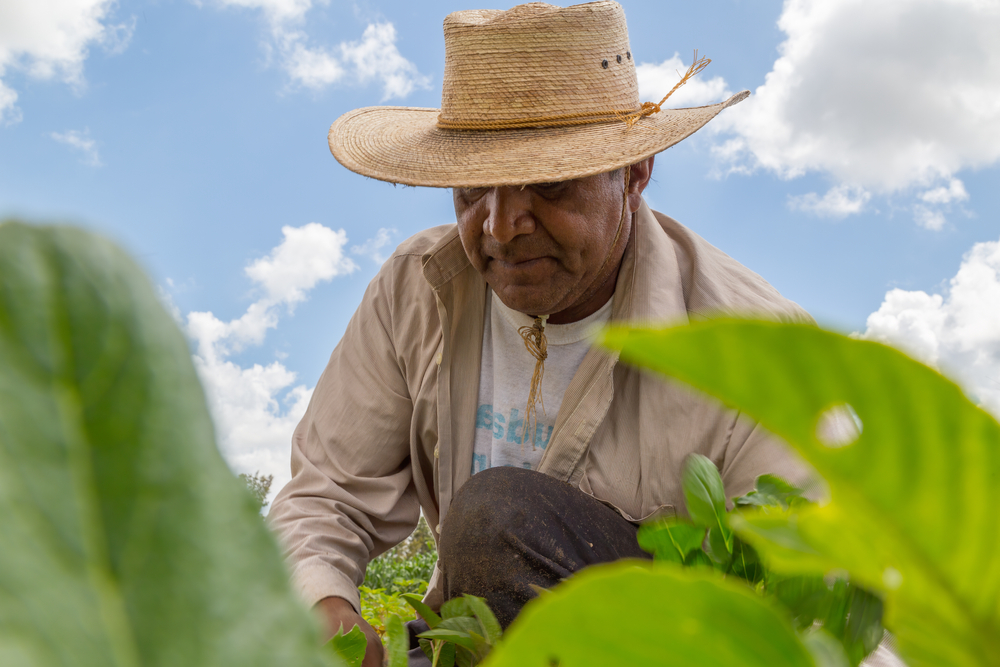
x=259, y=486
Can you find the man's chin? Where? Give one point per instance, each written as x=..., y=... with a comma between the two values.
x=527, y=300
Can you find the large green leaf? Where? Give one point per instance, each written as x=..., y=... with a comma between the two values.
x=913, y=496
x=641, y=613
x=126, y=541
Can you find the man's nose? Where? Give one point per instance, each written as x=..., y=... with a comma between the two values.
x=509, y=214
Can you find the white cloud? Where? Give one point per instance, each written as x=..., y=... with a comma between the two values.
x=277, y=11
x=256, y=408
x=51, y=39
x=955, y=191
x=958, y=332
x=889, y=96
x=838, y=202
x=929, y=218
x=308, y=255
x=655, y=81
x=81, y=142
x=313, y=68
x=373, y=58
x=372, y=248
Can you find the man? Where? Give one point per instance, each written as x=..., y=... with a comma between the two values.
x=468, y=359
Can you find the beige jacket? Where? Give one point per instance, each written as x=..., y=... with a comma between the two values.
x=390, y=427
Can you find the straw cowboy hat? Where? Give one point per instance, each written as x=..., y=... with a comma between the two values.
x=534, y=94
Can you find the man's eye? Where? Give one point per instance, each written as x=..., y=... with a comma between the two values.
x=549, y=190
x=472, y=194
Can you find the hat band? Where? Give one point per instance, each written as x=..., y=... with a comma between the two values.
x=628, y=116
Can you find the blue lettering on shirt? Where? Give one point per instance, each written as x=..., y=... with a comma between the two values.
x=484, y=416
x=511, y=427
x=514, y=427
x=539, y=441
x=498, y=420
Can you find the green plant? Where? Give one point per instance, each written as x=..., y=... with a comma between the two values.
x=396, y=574
x=126, y=540
x=849, y=614
x=406, y=568
x=461, y=636
x=911, y=509
x=378, y=605
x=910, y=513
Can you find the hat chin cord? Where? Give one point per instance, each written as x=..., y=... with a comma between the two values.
x=536, y=343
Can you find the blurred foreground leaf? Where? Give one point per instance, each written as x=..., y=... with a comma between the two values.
x=126, y=540
x=640, y=613
x=913, y=486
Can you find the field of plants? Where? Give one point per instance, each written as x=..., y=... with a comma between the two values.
x=128, y=542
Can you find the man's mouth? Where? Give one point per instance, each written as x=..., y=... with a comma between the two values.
x=518, y=262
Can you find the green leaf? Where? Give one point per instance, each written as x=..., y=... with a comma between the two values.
x=425, y=612
x=826, y=651
x=487, y=620
x=698, y=558
x=398, y=642
x=453, y=636
x=427, y=648
x=606, y=615
x=705, y=496
x=771, y=491
x=446, y=655
x=863, y=630
x=911, y=511
x=456, y=607
x=670, y=539
x=746, y=563
x=464, y=658
x=126, y=539
x=717, y=549
x=804, y=596
x=466, y=624
x=350, y=647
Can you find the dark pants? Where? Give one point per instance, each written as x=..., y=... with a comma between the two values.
x=509, y=529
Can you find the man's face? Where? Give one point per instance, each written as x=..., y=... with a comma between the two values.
x=543, y=248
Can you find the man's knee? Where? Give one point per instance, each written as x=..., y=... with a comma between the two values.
x=488, y=509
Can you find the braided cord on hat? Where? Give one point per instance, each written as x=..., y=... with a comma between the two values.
x=628, y=116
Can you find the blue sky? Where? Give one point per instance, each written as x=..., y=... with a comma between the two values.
x=861, y=180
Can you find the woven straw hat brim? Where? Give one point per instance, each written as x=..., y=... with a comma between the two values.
x=404, y=145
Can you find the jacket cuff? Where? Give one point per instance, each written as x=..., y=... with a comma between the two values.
x=316, y=581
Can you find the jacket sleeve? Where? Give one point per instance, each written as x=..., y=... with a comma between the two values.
x=351, y=495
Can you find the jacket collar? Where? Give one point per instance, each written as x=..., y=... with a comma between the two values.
x=445, y=260
x=650, y=284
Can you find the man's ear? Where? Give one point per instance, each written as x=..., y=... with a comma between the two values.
x=638, y=180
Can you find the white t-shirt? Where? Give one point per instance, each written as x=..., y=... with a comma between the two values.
x=505, y=379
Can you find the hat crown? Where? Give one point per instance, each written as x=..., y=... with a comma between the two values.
x=537, y=60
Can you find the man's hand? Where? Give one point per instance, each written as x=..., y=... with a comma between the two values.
x=338, y=612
